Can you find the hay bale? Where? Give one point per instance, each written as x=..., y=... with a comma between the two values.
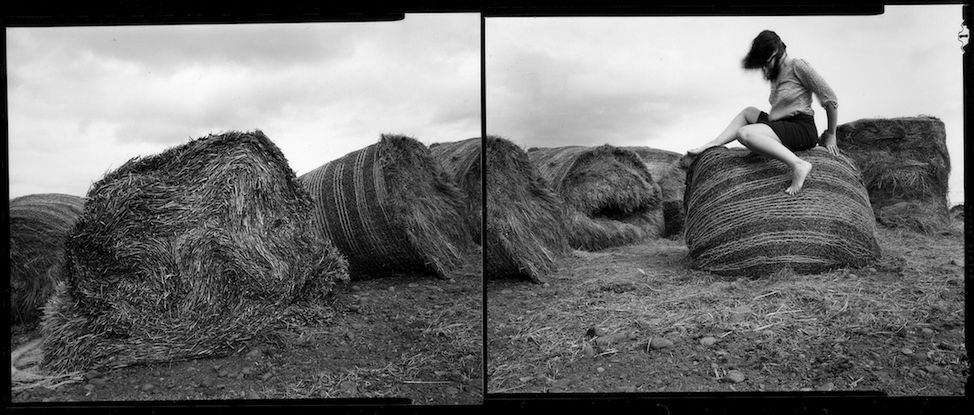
x=526, y=228
x=461, y=162
x=670, y=174
x=186, y=254
x=39, y=224
x=905, y=167
x=957, y=212
x=741, y=222
x=390, y=208
x=617, y=197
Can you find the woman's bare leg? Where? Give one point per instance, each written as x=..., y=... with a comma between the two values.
x=762, y=139
x=748, y=116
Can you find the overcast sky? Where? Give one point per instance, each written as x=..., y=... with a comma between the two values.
x=675, y=82
x=83, y=100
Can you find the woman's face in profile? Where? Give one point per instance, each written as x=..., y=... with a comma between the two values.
x=766, y=69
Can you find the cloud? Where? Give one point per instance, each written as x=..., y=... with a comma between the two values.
x=318, y=90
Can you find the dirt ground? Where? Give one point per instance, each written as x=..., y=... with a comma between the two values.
x=415, y=337
x=638, y=319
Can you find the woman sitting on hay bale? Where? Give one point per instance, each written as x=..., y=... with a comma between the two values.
x=790, y=126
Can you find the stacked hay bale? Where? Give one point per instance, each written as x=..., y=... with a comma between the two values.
x=905, y=166
x=39, y=224
x=461, y=162
x=671, y=176
x=186, y=254
x=391, y=209
x=741, y=222
x=526, y=221
x=615, y=199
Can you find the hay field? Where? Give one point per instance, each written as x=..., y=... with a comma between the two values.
x=638, y=319
x=415, y=337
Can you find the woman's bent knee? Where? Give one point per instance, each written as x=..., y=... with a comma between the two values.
x=744, y=134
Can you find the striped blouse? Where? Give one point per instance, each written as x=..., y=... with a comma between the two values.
x=792, y=92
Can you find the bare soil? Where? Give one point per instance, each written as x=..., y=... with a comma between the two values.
x=415, y=337
x=896, y=327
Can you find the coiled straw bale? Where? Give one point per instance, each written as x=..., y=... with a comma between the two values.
x=186, y=254
x=526, y=221
x=666, y=169
x=39, y=224
x=741, y=222
x=905, y=167
x=391, y=209
x=461, y=162
x=614, y=194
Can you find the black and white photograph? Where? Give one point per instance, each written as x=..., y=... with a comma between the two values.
x=251, y=211
x=726, y=204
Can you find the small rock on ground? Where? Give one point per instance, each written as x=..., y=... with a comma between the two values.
x=659, y=343
x=708, y=341
x=595, y=332
x=587, y=350
x=735, y=376
x=255, y=353
x=148, y=387
x=348, y=387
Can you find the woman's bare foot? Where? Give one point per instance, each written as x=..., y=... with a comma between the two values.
x=800, y=172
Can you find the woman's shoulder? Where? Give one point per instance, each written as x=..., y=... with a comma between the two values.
x=800, y=64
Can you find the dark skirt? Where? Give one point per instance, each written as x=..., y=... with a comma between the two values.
x=796, y=132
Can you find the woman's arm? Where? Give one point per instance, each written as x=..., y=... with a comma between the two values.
x=815, y=83
x=828, y=139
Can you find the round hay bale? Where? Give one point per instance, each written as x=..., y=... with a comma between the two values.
x=461, y=162
x=526, y=228
x=741, y=222
x=957, y=212
x=904, y=161
x=39, y=224
x=391, y=209
x=670, y=174
x=608, y=185
x=186, y=254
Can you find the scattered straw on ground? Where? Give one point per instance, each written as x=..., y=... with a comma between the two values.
x=536, y=335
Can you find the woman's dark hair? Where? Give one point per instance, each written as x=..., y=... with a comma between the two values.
x=763, y=46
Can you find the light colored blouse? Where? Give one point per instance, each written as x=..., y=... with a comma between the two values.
x=791, y=93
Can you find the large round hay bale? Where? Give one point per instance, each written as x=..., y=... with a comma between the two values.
x=905, y=167
x=461, y=162
x=39, y=224
x=526, y=228
x=669, y=173
x=391, y=209
x=741, y=222
x=608, y=185
x=186, y=254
